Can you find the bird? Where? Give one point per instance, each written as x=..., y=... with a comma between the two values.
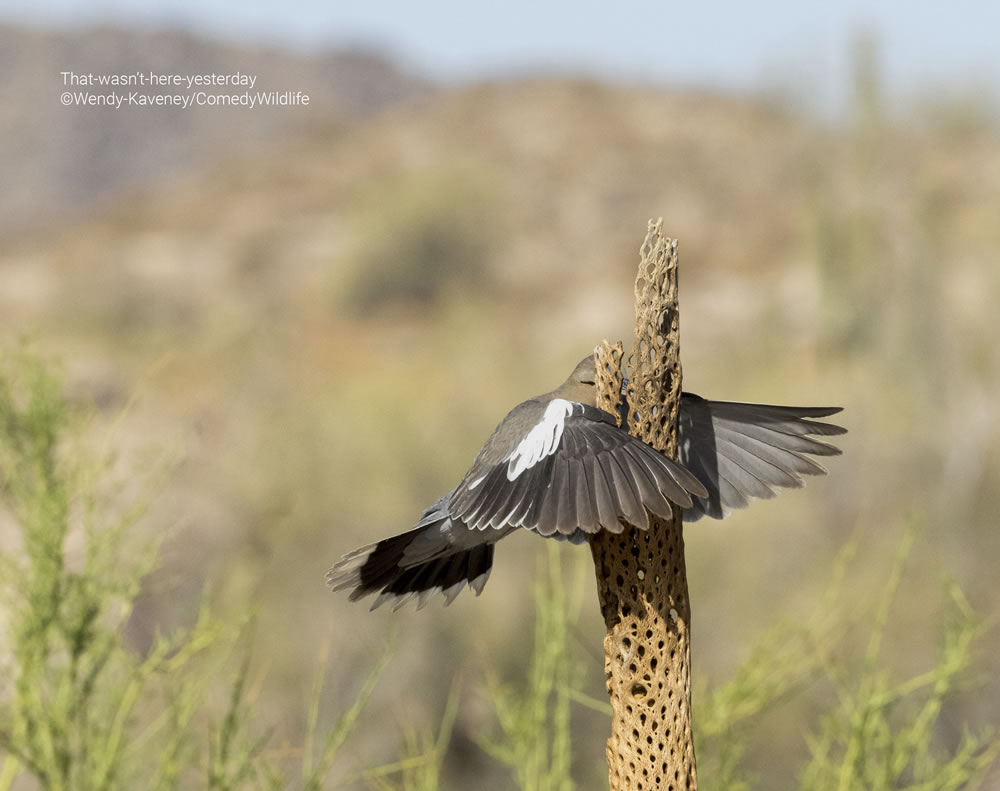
x=562, y=468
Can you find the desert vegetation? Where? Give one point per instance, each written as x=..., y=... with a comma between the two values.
x=230, y=380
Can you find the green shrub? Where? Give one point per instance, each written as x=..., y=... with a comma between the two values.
x=878, y=734
x=534, y=714
x=422, y=237
x=80, y=709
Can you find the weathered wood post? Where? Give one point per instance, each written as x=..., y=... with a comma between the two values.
x=641, y=578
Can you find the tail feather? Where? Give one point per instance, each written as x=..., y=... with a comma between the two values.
x=384, y=568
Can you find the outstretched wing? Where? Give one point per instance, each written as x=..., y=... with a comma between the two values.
x=562, y=469
x=570, y=469
x=743, y=451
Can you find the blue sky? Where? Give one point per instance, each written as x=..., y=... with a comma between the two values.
x=800, y=46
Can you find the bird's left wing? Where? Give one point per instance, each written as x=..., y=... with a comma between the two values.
x=570, y=470
x=744, y=451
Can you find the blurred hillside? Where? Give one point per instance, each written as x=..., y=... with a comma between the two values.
x=65, y=161
x=323, y=332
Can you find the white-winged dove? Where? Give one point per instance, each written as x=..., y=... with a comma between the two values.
x=562, y=468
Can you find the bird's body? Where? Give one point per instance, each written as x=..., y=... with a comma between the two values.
x=562, y=468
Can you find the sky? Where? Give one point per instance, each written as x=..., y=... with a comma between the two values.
x=798, y=47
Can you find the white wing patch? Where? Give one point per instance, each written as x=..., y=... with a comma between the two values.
x=542, y=440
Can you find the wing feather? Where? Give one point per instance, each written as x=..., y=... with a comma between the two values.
x=626, y=491
x=549, y=515
x=744, y=451
x=649, y=490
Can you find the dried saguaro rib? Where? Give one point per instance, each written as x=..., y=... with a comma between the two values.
x=641, y=577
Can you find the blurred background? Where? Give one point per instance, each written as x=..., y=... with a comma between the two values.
x=318, y=312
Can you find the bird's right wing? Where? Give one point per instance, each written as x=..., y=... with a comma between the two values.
x=744, y=451
x=574, y=471
x=567, y=473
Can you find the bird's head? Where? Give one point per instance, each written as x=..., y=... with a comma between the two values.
x=580, y=384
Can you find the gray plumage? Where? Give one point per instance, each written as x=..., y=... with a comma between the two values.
x=745, y=451
x=560, y=467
